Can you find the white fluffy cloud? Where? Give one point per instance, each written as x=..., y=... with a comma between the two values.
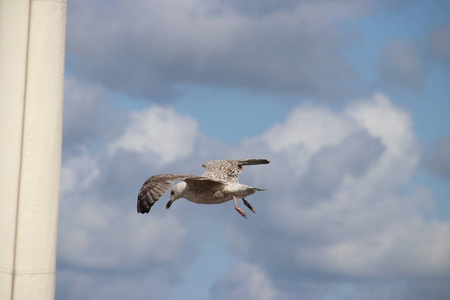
x=158, y=131
x=307, y=129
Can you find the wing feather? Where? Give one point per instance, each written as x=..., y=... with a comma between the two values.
x=228, y=169
x=204, y=183
x=153, y=189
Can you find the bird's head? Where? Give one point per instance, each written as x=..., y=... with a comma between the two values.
x=176, y=193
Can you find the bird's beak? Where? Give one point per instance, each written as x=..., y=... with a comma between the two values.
x=169, y=203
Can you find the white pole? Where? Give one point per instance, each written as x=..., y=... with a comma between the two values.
x=32, y=40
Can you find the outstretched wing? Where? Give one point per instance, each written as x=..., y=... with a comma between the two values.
x=228, y=169
x=154, y=188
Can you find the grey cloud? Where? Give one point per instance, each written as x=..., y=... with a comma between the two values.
x=245, y=281
x=148, y=48
x=439, y=44
x=88, y=114
x=328, y=167
x=400, y=65
x=74, y=285
x=437, y=158
x=392, y=5
x=366, y=290
x=435, y=289
x=261, y=8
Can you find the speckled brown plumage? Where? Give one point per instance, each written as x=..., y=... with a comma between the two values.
x=228, y=169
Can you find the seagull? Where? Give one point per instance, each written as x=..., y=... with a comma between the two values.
x=218, y=184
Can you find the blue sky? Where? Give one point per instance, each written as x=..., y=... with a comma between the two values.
x=349, y=100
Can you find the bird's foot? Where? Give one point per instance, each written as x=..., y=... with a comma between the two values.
x=240, y=211
x=248, y=205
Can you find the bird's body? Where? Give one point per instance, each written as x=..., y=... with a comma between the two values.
x=218, y=193
x=218, y=184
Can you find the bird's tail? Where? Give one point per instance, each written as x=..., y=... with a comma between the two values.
x=253, y=161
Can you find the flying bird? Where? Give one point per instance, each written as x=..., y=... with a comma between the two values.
x=218, y=184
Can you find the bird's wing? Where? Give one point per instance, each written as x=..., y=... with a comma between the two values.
x=154, y=188
x=228, y=169
x=204, y=183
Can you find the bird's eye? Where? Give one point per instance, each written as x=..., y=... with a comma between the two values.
x=171, y=192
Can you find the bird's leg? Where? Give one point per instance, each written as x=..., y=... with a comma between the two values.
x=248, y=205
x=239, y=210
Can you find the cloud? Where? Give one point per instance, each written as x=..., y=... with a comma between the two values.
x=330, y=165
x=437, y=158
x=400, y=65
x=89, y=113
x=93, y=229
x=158, y=131
x=79, y=171
x=73, y=285
x=93, y=222
x=149, y=48
x=100, y=233
x=439, y=43
x=336, y=221
x=245, y=281
x=347, y=223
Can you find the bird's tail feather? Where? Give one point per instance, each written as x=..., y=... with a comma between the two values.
x=253, y=161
